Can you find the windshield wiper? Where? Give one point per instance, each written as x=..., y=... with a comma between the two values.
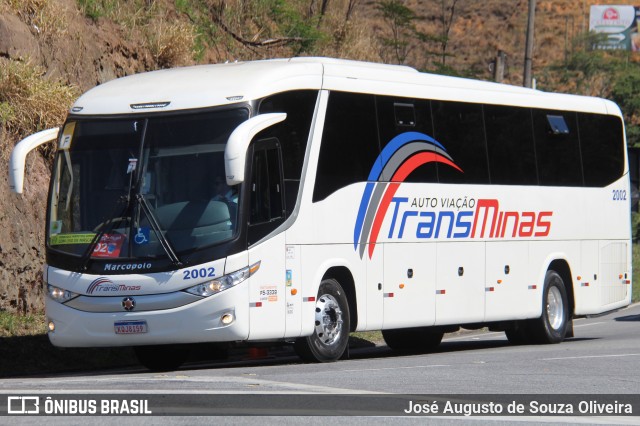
x=158, y=231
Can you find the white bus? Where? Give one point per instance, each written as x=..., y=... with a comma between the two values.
x=298, y=200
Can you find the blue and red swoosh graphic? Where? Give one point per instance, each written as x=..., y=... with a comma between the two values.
x=402, y=155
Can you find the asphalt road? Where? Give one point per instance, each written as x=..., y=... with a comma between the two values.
x=602, y=358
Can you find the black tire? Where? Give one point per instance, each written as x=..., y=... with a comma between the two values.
x=552, y=325
x=519, y=334
x=332, y=325
x=162, y=357
x=412, y=340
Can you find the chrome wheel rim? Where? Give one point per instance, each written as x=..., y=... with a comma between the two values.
x=555, y=308
x=328, y=319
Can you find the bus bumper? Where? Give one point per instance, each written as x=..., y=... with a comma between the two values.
x=196, y=322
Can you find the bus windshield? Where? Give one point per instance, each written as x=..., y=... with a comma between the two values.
x=143, y=187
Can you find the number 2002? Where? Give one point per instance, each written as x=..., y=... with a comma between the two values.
x=193, y=274
x=619, y=195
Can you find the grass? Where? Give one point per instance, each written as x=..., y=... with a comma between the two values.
x=12, y=325
x=171, y=44
x=29, y=101
x=46, y=17
x=171, y=41
x=128, y=14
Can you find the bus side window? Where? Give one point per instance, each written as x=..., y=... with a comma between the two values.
x=557, y=148
x=292, y=134
x=401, y=115
x=266, y=189
x=459, y=127
x=349, y=147
x=602, y=152
x=509, y=135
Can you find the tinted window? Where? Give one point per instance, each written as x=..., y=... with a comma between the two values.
x=293, y=132
x=557, y=148
x=349, y=145
x=401, y=115
x=266, y=201
x=459, y=128
x=512, y=159
x=265, y=189
x=602, y=148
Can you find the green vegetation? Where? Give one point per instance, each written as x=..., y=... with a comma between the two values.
x=12, y=325
x=607, y=74
x=129, y=13
x=206, y=33
x=626, y=93
x=636, y=274
x=302, y=30
x=96, y=9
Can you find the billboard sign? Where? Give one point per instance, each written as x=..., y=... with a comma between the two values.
x=620, y=26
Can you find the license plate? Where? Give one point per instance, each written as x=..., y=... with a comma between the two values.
x=130, y=327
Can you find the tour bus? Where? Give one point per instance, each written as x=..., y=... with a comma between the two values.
x=298, y=200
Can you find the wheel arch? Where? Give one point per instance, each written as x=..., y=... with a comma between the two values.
x=343, y=275
x=561, y=266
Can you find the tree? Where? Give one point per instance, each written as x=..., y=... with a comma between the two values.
x=446, y=19
x=626, y=93
x=603, y=73
x=399, y=19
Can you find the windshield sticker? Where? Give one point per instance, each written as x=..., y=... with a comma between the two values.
x=61, y=239
x=132, y=165
x=142, y=237
x=109, y=246
x=289, y=278
x=55, y=227
x=67, y=135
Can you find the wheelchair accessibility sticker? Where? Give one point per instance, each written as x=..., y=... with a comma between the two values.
x=142, y=237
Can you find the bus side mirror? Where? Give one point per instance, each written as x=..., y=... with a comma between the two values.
x=19, y=154
x=235, y=153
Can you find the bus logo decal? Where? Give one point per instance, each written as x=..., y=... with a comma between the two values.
x=105, y=285
x=402, y=155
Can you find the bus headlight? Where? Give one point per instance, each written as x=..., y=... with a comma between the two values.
x=59, y=294
x=224, y=282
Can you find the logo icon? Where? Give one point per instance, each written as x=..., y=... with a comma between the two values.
x=128, y=303
x=100, y=285
x=402, y=155
x=611, y=14
x=23, y=405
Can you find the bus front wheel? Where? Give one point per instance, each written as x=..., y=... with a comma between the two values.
x=551, y=327
x=162, y=357
x=412, y=340
x=331, y=328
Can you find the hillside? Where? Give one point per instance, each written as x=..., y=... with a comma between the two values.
x=53, y=50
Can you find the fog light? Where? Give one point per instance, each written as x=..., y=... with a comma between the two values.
x=227, y=319
x=51, y=326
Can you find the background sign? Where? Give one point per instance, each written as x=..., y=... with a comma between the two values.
x=620, y=25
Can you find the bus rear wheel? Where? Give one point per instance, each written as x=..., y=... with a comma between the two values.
x=552, y=325
x=332, y=325
x=162, y=357
x=412, y=340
